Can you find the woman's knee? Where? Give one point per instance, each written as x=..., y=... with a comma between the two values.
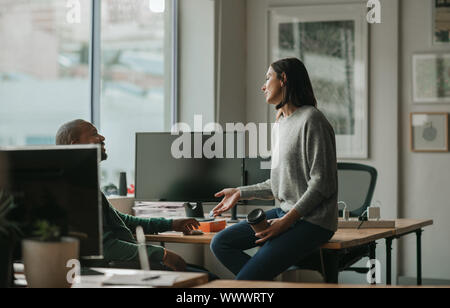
x=223, y=240
x=218, y=242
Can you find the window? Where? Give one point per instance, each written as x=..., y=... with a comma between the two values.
x=136, y=71
x=45, y=72
x=44, y=69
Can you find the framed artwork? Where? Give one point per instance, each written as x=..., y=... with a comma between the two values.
x=429, y=132
x=441, y=21
x=431, y=78
x=331, y=40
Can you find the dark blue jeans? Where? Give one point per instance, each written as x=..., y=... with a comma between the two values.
x=275, y=255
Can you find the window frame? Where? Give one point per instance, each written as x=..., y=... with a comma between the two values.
x=95, y=63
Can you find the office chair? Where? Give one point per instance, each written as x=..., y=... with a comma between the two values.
x=356, y=185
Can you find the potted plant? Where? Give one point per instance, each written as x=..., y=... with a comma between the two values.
x=46, y=255
x=9, y=233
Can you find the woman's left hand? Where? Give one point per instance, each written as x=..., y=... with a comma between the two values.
x=277, y=227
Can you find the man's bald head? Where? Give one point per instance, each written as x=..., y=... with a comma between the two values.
x=70, y=132
x=80, y=132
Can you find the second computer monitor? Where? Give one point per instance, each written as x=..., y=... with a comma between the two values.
x=257, y=170
x=172, y=169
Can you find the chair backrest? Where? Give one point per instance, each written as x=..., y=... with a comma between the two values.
x=356, y=186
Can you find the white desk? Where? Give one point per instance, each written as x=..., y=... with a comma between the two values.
x=184, y=280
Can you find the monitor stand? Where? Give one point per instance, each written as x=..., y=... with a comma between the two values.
x=234, y=216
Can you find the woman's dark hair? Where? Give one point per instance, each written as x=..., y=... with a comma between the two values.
x=298, y=89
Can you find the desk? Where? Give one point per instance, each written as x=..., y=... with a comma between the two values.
x=342, y=239
x=177, y=237
x=347, y=238
x=184, y=280
x=236, y=284
x=404, y=227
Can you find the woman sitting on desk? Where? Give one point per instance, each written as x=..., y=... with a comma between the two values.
x=303, y=179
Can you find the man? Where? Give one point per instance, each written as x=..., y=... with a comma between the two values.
x=118, y=240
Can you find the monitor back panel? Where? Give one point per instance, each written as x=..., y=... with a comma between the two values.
x=162, y=175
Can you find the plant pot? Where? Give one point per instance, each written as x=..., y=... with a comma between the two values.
x=46, y=262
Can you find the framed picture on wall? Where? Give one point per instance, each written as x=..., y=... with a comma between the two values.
x=332, y=42
x=441, y=21
x=431, y=78
x=429, y=132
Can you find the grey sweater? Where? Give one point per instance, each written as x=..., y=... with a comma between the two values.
x=304, y=168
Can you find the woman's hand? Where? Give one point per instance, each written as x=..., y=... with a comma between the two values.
x=185, y=225
x=231, y=196
x=278, y=226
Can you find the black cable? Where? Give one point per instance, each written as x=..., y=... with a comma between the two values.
x=362, y=221
x=362, y=218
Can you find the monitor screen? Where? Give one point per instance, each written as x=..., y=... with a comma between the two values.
x=256, y=172
x=172, y=169
x=57, y=184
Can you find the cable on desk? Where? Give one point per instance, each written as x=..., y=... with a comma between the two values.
x=362, y=218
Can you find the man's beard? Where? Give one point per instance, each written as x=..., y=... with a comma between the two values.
x=103, y=156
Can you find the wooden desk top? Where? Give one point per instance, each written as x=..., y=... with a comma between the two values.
x=184, y=280
x=223, y=284
x=178, y=237
x=403, y=226
x=343, y=238
x=346, y=238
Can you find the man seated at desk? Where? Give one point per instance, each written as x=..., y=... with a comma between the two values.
x=118, y=240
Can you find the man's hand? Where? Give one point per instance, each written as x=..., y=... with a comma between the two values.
x=185, y=225
x=174, y=261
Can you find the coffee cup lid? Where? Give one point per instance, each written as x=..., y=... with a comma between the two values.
x=256, y=216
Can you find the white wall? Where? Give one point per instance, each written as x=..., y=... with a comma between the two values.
x=383, y=99
x=424, y=176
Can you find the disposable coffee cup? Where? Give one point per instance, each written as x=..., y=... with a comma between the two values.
x=257, y=220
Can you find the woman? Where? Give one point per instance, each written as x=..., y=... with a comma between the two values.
x=303, y=179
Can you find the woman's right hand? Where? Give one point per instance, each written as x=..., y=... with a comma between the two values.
x=231, y=196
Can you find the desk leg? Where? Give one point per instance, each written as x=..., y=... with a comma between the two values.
x=389, y=260
x=332, y=267
x=419, y=256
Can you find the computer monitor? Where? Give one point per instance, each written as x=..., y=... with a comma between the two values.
x=162, y=175
x=257, y=170
x=58, y=184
